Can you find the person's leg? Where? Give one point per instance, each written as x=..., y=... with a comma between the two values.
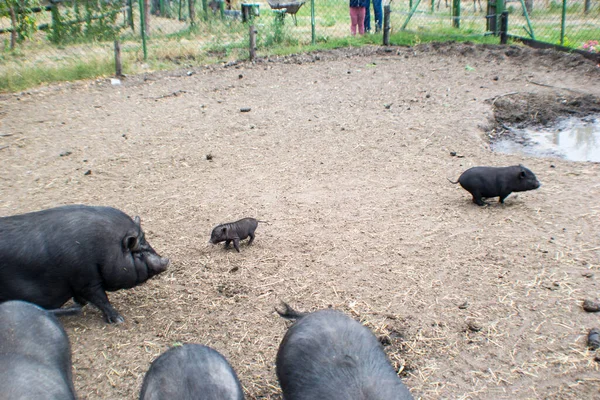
x=368, y=17
x=361, y=20
x=378, y=11
x=353, y=19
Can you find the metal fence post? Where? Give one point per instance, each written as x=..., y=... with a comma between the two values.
x=456, y=13
x=498, y=12
x=252, y=42
x=410, y=14
x=386, y=25
x=312, y=22
x=143, y=28
x=205, y=8
x=563, y=22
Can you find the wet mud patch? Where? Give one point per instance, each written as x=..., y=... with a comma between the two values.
x=532, y=123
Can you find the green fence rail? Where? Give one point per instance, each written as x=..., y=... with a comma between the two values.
x=51, y=35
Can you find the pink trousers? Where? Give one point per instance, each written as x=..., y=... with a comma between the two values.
x=357, y=17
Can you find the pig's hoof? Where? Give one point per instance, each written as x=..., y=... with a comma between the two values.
x=594, y=339
x=115, y=319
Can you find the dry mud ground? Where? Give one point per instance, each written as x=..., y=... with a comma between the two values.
x=346, y=154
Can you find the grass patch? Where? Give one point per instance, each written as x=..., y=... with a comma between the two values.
x=15, y=79
x=175, y=44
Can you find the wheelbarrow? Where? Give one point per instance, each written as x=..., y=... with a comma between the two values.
x=291, y=7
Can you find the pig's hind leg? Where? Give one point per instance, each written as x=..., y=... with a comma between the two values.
x=502, y=197
x=97, y=296
x=477, y=199
x=251, y=234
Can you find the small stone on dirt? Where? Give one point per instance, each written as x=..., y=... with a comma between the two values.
x=245, y=109
x=88, y=172
x=65, y=153
x=587, y=274
x=234, y=269
x=209, y=157
x=387, y=106
x=591, y=306
x=594, y=339
x=464, y=305
x=473, y=326
x=495, y=78
x=240, y=76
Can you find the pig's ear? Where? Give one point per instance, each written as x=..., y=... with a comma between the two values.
x=521, y=174
x=224, y=230
x=131, y=243
x=137, y=221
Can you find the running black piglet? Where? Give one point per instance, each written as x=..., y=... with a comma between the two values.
x=485, y=182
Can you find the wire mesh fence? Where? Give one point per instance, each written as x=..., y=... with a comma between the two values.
x=570, y=23
x=78, y=35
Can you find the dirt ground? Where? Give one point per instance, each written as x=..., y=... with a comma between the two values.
x=346, y=154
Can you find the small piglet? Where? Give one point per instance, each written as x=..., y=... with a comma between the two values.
x=496, y=181
x=327, y=355
x=234, y=232
x=191, y=372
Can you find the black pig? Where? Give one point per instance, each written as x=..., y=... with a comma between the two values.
x=80, y=252
x=496, y=181
x=234, y=232
x=35, y=355
x=191, y=372
x=327, y=355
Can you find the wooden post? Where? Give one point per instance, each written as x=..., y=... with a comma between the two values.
x=192, y=10
x=252, y=43
x=386, y=25
x=586, y=6
x=147, y=17
x=129, y=14
x=13, y=32
x=504, y=27
x=118, y=67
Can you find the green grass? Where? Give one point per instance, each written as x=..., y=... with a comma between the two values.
x=174, y=44
x=15, y=79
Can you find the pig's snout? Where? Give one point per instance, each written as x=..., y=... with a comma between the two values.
x=156, y=263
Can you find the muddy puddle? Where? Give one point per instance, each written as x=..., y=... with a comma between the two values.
x=547, y=125
x=574, y=139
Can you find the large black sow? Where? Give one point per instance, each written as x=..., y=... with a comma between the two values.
x=191, y=372
x=327, y=355
x=35, y=355
x=76, y=251
x=486, y=182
